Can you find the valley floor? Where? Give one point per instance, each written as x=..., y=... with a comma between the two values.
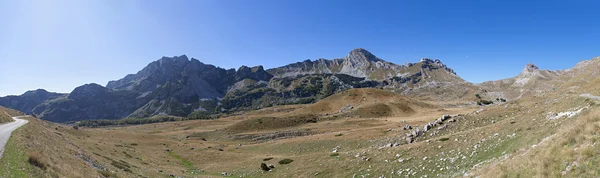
x=522, y=138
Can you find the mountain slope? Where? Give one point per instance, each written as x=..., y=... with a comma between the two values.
x=29, y=100
x=90, y=101
x=179, y=86
x=358, y=63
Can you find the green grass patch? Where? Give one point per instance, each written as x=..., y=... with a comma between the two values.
x=334, y=154
x=139, y=121
x=444, y=139
x=184, y=162
x=339, y=135
x=14, y=161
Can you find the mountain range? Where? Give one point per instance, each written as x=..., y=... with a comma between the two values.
x=180, y=86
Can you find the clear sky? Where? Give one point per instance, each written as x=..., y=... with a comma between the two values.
x=61, y=44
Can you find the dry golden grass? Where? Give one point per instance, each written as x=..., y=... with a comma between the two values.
x=51, y=149
x=240, y=142
x=6, y=114
x=572, y=151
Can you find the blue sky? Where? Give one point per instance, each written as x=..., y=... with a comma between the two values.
x=59, y=45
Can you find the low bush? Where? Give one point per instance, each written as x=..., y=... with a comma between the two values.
x=35, y=160
x=484, y=102
x=286, y=161
x=138, y=121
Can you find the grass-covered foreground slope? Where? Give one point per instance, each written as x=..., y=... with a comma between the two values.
x=572, y=151
x=6, y=114
x=43, y=149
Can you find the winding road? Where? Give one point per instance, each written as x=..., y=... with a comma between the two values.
x=6, y=130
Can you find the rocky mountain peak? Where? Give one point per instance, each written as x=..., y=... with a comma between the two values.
x=36, y=92
x=87, y=90
x=257, y=73
x=530, y=69
x=362, y=55
x=435, y=64
x=531, y=66
x=177, y=61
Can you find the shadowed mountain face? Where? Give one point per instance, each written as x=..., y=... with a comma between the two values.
x=179, y=86
x=29, y=100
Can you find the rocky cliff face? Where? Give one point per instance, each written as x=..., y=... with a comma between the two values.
x=171, y=86
x=358, y=63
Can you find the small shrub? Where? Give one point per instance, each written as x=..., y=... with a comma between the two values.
x=121, y=165
x=267, y=159
x=334, y=154
x=106, y=173
x=76, y=127
x=286, y=161
x=444, y=139
x=338, y=135
x=484, y=102
x=35, y=160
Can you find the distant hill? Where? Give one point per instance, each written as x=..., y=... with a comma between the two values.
x=29, y=100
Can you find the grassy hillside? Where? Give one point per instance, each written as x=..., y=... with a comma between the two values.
x=572, y=151
x=6, y=114
x=44, y=149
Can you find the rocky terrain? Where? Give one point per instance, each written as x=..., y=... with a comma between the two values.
x=180, y=86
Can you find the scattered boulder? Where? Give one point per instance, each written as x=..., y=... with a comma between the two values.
x=443, y=127
x=417, y=132
x=446, y=117
x=407, y=127
x=409, y=140
x=427, y=127
x=264, y=167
